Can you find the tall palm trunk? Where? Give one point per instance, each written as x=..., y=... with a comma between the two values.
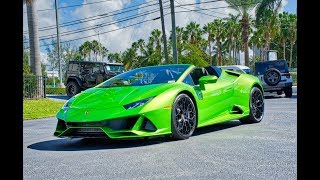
x=34, y=38
x=230, y=47
x=284, y=48
x=291, y=49
x=267, y=41
x=35, y=61
x=218, y=52
x=210, y=51
x=245, y=33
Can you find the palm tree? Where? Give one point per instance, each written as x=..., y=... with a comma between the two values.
x=293, y=33
x=33, y=37
x=180, y=39
x=257, y=40
x=243, y=7
x=95, y=47
x=218, y=30
x=208, y=28
x=193, y=32
x=266, y=5
x=141, y=45
x=232, y=26
x=35, y=61
x=85, y=49
x=284, y=32
x=269, y=22
x=155, y=39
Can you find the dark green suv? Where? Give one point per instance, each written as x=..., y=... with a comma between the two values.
x=82, y=75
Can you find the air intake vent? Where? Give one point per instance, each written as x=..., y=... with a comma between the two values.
x=148, y=126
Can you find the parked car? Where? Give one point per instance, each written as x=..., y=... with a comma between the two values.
x=170, y=100
x=274, y=76
x=237, y=68
x=82, y=75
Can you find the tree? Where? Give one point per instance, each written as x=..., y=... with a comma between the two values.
x=85, y=50
x=266, y=5
x=243, y=7
x=269, y=23
x=218, y=29
x=231, y=27
x=284, y=32
x=33, y=37
x=193, y=32
x=293, y=34
x=95, y=48
x=208, y=28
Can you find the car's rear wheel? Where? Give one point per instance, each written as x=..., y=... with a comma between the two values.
x=256, y=105
x=183, y=117
x=288, y=92
x=72, y=88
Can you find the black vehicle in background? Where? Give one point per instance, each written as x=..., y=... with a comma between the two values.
x=82, y=75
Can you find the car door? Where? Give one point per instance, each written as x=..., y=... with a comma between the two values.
x=214, y=99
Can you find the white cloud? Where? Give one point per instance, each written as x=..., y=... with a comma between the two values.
x=120, y=40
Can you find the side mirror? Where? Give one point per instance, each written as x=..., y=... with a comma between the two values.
x=207, y=80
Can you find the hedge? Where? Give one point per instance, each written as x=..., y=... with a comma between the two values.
x=55, y=90
x=294, y=78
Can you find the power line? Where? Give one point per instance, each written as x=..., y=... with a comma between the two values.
x=196, y=11
x=139, y=23
x=105, y=31
x=63, y=7
x=100, y=25
x=99, y=16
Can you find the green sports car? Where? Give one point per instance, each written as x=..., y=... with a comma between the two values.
x=161, y=100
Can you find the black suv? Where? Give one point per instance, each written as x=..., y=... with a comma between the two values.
x=82, y=75
x=274, y=76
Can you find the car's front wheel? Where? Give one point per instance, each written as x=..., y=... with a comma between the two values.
x=72, y=88
x=256, y=105
x=183, y=117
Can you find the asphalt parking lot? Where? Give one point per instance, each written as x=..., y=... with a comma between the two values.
x=267, y=150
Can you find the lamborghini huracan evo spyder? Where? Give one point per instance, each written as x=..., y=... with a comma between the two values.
x=161, y=100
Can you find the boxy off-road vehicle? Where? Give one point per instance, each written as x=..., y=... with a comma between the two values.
x=82, y=75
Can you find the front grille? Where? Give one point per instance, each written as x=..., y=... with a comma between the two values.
x=86, y=132
x=115, y=124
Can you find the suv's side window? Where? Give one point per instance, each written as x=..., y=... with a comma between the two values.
x=188, y=80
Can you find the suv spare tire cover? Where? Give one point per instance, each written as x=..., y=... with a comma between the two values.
x=272, y=76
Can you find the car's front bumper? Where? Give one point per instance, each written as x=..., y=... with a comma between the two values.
x=152, y=123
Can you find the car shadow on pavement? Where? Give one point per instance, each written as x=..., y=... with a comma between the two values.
x=79, y=144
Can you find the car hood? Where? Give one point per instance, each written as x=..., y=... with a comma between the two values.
x=101, y=98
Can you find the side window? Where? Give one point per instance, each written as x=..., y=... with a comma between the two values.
x=75, y=67
x=96, y=68
x=188, y=80
x=70, y=67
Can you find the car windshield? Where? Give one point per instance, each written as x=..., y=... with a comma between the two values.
x=262, y=67
x=115, y=68
x=146, y=76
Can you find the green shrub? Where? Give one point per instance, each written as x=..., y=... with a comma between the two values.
x=55, y=90
x=294, y=78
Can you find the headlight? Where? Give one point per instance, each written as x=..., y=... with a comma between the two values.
x=137, y=103
x=65, y=107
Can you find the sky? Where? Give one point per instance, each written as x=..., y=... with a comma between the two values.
x=112, y=20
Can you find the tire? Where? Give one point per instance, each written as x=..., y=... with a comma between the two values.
x=183, y=117
x=272, y=77
x=279, y=92
x=288, y=92
x=72, y=88
x=256, y=105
